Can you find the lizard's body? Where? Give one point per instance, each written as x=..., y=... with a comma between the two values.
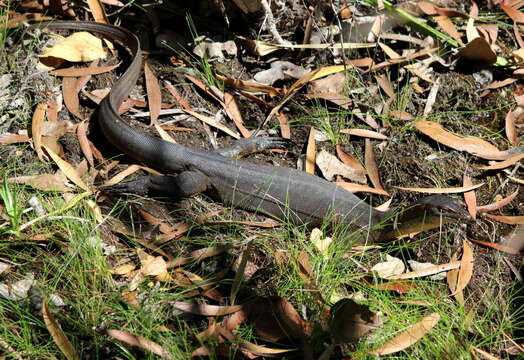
x=282, y=192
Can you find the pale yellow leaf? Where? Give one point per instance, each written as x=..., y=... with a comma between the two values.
x=58, y=334
x=409, y=336
x=78, y=47
x=68, y=169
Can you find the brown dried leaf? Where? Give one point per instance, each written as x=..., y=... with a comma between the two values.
x=274, y=318
x=68, y=169
x=349, y=160
x=70, y=90
x=206, y=309
x=154, y=97
x=206, y=88
x=97, y=9
x=515, y=15
x=498, y=204
x=371, y=165
x=409, y=336
x=123, y=269
x=45, y=182
x=331, y=166
x=312, y=75
x=470, y=198
x=285, y=131
x=81, y=134
x=512, y=220
x=311, y=152
x=249, y=86
x=466, y=267
x=386, y=85
x=510, y=128
x=350, y=321
x=77, y=72
x=483, y=354
x=428, y=271
x=7, y=138
x=478, y=52
x=234, y=113
x=365, y=133
x=427, y=7
x=122, y=175
x=474, y=146
x=449, y=28
x=138, y=341
x=503, y=164
x=450, y=190
x=58, y=334
x=36, y=128
x=213, y=122
x=164, y=134
x=355, y=188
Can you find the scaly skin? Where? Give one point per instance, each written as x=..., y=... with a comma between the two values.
x=281, y=192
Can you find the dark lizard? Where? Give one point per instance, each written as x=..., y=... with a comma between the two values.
x=278, y=191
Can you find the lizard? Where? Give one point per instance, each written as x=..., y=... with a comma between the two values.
x=281, y=192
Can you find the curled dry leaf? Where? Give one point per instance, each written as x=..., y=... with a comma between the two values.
x=410, y=336
x=331, y=166
x=351, y=320
x=452, y=278
x=138, y=341
x=122, y=175
x=275, y=318
x=70, y=90
x=157, y=266
x=477, y=52
x=349, y=160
